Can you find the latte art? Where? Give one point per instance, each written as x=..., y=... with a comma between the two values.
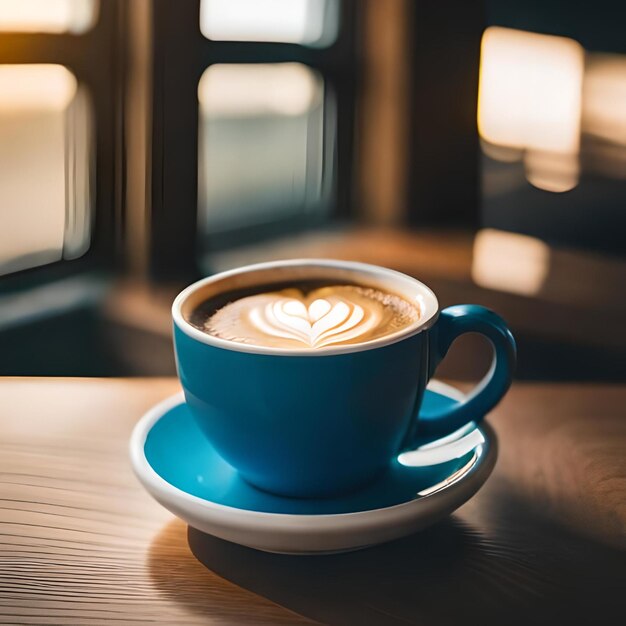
x=320, y=323
x=328, y=316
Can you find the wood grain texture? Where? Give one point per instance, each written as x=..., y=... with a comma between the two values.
x=80, y=542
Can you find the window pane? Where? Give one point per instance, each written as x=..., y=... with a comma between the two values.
x=309, y=22
x=45, y=166
x=48, y=16
x=530, y=99
x=552, y=121
x=265, y=146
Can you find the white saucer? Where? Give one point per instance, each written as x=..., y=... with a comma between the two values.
x=182, y=471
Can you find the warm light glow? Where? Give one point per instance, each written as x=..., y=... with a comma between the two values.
x=48, y=16
x=530, y=90
x=551, y=171
x=510, y=262
x=25, y=87
x=529, y=99
x=604, y=97
x=254, y=90
x=45, y=166
x=289, y=21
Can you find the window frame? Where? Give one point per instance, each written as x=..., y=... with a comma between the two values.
x=444, y=42
x=181, y=53
x=95, y=58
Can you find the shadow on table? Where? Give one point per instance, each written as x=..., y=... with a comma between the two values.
x=180, y=578
x=449, y=574
x=372, y=586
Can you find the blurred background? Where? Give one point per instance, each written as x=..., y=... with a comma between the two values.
x=479, y=146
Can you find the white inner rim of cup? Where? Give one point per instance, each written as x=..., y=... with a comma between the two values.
x=305, y=269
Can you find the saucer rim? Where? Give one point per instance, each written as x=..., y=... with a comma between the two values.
x=164, y=492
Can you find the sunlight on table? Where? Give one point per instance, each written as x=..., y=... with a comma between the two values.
x=510, y=262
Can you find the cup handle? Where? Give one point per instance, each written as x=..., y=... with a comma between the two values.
x=453, y=322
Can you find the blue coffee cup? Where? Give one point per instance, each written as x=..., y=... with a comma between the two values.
x=318, y=423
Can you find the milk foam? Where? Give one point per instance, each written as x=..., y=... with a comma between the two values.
x=328, y=316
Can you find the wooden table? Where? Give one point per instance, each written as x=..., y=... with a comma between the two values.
x=80, y=542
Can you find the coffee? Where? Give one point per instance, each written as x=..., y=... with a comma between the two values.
x=308, y=314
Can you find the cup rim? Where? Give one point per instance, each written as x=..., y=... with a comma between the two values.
x=425, y=322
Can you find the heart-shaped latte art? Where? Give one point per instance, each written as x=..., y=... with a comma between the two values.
x=334, y=315
x=319, y=323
